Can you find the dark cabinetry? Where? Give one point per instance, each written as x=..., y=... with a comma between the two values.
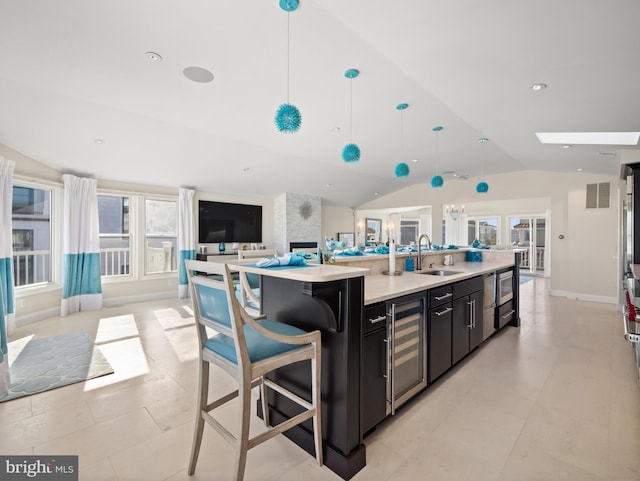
x=466, y=322
x=439, y=331
x=374, y=366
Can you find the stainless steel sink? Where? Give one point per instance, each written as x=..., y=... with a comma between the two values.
x=438, y=272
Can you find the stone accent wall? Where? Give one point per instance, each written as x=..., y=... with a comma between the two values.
x=297, y=218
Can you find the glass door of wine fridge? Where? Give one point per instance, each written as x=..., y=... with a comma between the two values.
x=407, y=350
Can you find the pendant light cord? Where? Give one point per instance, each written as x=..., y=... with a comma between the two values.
x=437, y=150
x=288, y=52
x=351, y=111
x=402, y=131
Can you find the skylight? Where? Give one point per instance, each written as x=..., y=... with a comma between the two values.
x=591, y=138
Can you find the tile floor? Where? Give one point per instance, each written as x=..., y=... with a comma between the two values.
x=557, y=399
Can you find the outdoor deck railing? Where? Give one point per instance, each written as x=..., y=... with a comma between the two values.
x=525, y=261
x=33, y=267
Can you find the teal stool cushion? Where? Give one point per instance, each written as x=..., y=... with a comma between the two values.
x=259, y=347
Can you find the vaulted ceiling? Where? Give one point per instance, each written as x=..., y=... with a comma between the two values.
x=75, y=71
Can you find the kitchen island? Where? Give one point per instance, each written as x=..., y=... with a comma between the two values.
x=334, y=299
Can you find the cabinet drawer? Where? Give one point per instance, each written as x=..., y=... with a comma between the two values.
x=375, y=316
x=464, y=288
x=505, y=314
x=440, y=295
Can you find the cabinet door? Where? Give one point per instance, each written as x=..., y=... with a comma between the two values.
x=374, y=382
x=460, y=325
x=439, y=345
x=475, y=334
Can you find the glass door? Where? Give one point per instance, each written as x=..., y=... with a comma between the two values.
x=530, y=233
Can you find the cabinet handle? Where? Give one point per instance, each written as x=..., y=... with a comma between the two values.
x=378, y=319
x=386, y=358
x=509, y=314
x=474, y=312
x=470, y=304
x=439, y=298
x=442, y=313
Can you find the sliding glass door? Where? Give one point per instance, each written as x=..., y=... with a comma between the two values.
x=530, y=233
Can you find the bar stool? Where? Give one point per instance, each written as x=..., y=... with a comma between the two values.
x=247, y=349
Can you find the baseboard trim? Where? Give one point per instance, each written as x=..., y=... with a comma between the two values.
x=584, y=297
x=112, y=302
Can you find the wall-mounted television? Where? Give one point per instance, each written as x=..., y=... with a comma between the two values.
x=225, y=222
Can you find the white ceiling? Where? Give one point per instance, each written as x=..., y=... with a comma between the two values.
x=73, y=71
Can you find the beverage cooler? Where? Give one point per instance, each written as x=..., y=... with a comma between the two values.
x=406, y=353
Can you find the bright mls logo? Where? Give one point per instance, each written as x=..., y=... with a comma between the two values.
x=50, y=468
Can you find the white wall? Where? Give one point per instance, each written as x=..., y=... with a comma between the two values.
x=337, y=219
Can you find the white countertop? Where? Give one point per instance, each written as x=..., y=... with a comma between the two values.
x=308, y=273
x=380, y=287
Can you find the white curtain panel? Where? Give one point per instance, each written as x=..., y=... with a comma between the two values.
x=81, y=286
x=186, y=241
x=7, y=312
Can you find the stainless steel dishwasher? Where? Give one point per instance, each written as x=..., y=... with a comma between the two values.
x=489, y=305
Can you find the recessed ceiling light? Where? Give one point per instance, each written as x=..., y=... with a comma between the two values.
x=154, y=57
x=590, y=138
x=198, y=74
x=246, y=169
x=327, y=185
x=579, y=170
x=99, y=141
x=336, y=129
x=567, y=146
x=539, y=86
x=376, y=193
x=414, y=160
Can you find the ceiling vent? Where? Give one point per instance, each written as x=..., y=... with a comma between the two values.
x=599, y=195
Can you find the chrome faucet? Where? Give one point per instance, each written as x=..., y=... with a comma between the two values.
x=419, y=264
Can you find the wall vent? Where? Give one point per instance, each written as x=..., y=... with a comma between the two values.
x=599, y=195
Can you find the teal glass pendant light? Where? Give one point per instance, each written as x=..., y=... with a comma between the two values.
x=402, y=169
x=351, y=152
x=482, y=187
x=288, y=118
x=437, y=180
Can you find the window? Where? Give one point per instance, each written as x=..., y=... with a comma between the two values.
x=31, y=234
x=485, y=230
x=115, y=236
x=161, y=234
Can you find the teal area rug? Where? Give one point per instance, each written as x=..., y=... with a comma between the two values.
x=53, y=362
x=524, y=279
